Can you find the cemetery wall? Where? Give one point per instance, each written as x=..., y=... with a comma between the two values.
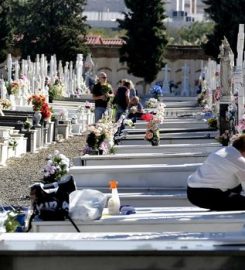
x=106, y=58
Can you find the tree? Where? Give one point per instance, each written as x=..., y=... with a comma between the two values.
x=53, y=27
x=5, y=29
x=193, y=34
x=145, y=38
x=227, y=16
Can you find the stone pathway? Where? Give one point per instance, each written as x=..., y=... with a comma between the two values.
x=20, y=173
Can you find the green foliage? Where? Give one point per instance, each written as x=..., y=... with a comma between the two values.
x=227, y=16
x=56, y=90
x=5, y=29
x=194, y=34
x=106, y=32
x=52, y=27
x=145, y=38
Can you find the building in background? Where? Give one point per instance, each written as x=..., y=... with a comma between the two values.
x=182, y=61
x=104, y=13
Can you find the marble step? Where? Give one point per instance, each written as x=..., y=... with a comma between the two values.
x=157, y=198
x=165, y=130
x=140, y=158
x=177, y=134
x=169, y=140
x=132, y=250
x=168, y=148
x=173, y=124
x=153, y=220
x=145, y=176
x=180, y=104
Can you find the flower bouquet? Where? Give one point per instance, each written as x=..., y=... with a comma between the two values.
x=240, y=128
x=12, y=143
x=100, y=137
x=37, y=101
x=55, y=90
x=27, y=125
x=56, y=167
x=151, y=103
x=5, y=104
x=13, y=88
x=46, y=111
x=152, y=132
x=128, y=122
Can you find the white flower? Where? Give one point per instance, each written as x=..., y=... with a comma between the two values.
x=56, y=152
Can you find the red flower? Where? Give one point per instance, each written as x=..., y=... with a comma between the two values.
x=37, y=101
x=147, y=117
x=46, y=111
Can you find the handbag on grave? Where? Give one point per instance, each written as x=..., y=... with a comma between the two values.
x=50, y=202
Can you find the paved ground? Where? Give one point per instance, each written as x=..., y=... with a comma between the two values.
x=20, y=173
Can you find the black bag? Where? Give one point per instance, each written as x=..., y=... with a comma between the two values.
x=50, y=202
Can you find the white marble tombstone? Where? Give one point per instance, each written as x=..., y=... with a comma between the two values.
x=186, y=83
x=79, y=71
x=238, y=74
x=9, y=67
x=165, y=87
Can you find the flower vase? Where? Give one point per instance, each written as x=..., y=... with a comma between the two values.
x=94, y=152
x=37, y=118
x=47, y=119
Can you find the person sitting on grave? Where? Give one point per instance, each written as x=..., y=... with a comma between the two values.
x=135, y=108
x=219, y=183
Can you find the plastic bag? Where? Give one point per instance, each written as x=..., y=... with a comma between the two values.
x=87, y=204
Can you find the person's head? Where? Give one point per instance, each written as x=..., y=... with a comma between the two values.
x=122, y=82
x=102, y=77
x=126, y=84
x=135, y=100
x=239, y=144
x=131, y=85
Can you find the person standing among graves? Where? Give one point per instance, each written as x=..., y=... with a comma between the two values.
x=121, y=99
x=219, y=183
x=102, y=93
x=132, y=92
